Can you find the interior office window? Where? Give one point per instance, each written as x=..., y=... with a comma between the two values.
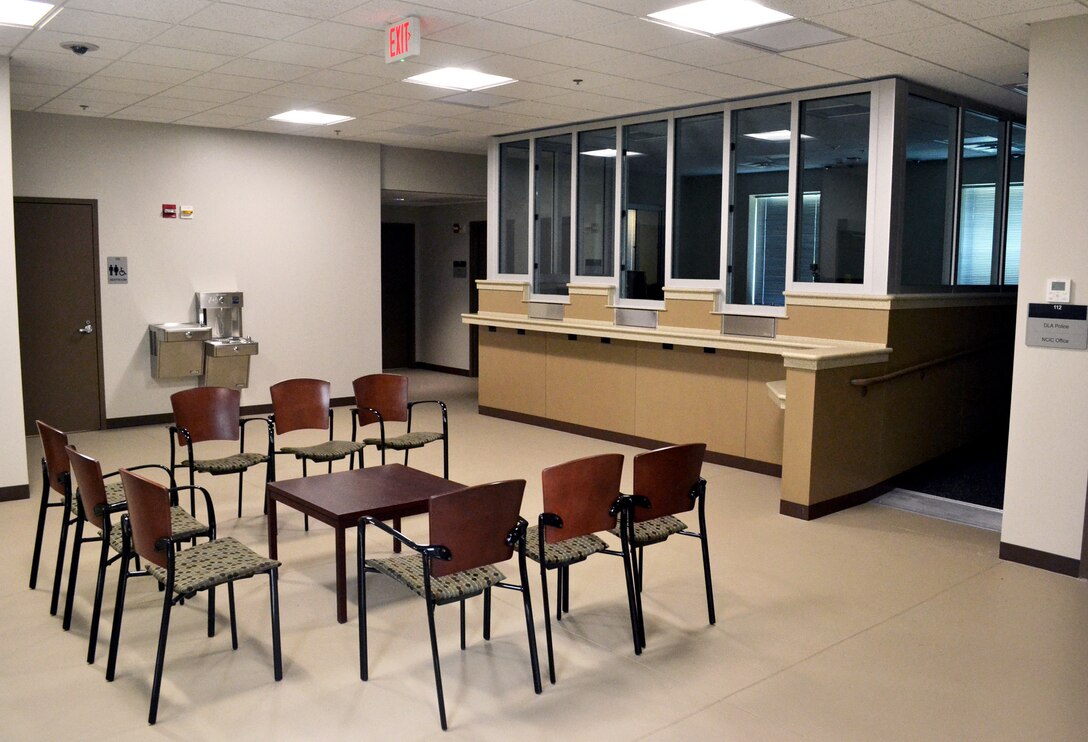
x=642, y=239
x=514, y=207
x=596, y=202
x=929, y=184
x=834, y=160
x=1017, y=143
x=760, y=173
x=551, y=240
x=697, y=197
x=980, y=172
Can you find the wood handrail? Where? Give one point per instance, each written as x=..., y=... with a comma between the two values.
x=865, y=383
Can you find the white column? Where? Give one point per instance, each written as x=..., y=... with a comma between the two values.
x=1047, y=474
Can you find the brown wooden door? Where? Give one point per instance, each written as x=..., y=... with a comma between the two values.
x=398, y=295
x=56, y=261
x=477, y=270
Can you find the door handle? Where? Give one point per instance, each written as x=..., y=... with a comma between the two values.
x=87, y=328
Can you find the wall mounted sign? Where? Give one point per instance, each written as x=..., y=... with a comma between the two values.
x=1058, y=326
x=402, y=40
x=116, y=269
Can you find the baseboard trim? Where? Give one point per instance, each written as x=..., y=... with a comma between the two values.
x=834, y=505
x=1041, y=559
x=442, y=369
x=713, y=457
x=15, y=492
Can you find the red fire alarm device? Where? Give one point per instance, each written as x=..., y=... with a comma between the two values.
x=169, y=211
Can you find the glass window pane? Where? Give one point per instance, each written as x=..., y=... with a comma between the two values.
x=1016, y=204
x=551, y=240
x=980, y=171
x=757, y=223
x=927, y=200
x=596, y=202
x=514, y=207
x=697, y=197
x=834, y=161
x=642, y=256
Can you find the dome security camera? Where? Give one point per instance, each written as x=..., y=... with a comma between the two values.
x=79, y=48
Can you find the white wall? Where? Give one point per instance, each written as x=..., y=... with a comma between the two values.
x=293, y=222
x=12, y=436
x=1048, y=444
x=428, y=171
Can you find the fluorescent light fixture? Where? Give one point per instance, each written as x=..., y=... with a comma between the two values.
x=24, y=13
x=455, y=78
x=716, y=17
x=779, y=135
x=313, y=118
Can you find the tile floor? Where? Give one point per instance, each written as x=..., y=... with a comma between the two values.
x=871, y=624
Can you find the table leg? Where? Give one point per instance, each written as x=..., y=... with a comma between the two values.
x=273, y=547
x=341, y=578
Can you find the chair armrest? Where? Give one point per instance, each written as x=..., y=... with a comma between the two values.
x=629, y=503
x=243, y=421
x=193, y=489
x=436, y=551
x=516, y=537
x=138, y=468
x=550, y=519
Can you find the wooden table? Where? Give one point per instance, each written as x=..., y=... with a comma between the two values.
x=341, y=498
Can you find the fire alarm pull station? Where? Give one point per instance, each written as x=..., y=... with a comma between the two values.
x=169, y=211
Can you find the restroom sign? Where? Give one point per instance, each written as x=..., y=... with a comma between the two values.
x=402, y=40
x=116, y=269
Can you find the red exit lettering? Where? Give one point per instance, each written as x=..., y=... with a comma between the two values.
x=402, y=39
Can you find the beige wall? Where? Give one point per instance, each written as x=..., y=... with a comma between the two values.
x=1047, y=469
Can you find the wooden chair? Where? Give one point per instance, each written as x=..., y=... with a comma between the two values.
x=383, y=398
x=147, y=532
x=304, y=404
x=471, y=530
x=95, y=508
x=211, y=413
x=581, y=498
x=667, y=481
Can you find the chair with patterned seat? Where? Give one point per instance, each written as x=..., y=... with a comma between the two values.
x=471, y=530
x=382, y=399
x=211, y=413
x=96, y=508
x=304, y=404
x=146, y=528
x=56, y=478
x=581, y=498
x=667, y=481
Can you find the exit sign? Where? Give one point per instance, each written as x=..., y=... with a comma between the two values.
x=402, y=40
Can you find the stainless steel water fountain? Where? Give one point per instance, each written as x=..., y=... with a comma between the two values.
x=227, y=353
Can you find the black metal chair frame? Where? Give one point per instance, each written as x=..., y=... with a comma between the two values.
x=627, y=527
x=48, y=502
x=515, y=538
x=408, y=429
x=175, y=431
x=168, y=546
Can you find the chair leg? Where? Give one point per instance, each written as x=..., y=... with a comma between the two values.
x=43, y=508
x=233, y=621
x=361, y=584
x=396, y=544
x=487, y=614
x=274, y=600
x=306, y=518
x=160, y=656
x=437, y=666
x=240, y=474
x=547, y=622
x=445, y=459
x=211, y=610
x=99, y=589
x=73, y=571
x=633, y=605
x=566, y=589
x=119, y=605
x=560, y=577
x=59, y=572
x=462, y=625
x=530, y=625
x=706, y=577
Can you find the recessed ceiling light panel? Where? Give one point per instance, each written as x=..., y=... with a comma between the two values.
x=718, y=16
x=455, y=78
x=24, y=13
x=779, y=135
x=312, y=118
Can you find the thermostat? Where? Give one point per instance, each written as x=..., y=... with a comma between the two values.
x=1058, y=290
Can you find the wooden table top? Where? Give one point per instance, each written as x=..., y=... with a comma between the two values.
x=381, y=491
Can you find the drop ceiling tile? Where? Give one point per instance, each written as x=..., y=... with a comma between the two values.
x=524, y=90
x=512, y=121
x=125, y=85
x=559, y=17
x=251, y=112
x=381, y=14
x=471, y=7
x=36, y=89
x=278, y=103
x=27, y=102
x=216, y=119
x=154, y=114
x=1015, y=27
x=149, y=72
x=211, y=42
x=810, y=8
x=166, y=56
x=438, y=54
x=304, y=54
x=44, y=75
x=10, y=36
x=863, y=58
x=784, y=72
x=345, y=81
x=596, y=105
x=544, y=109
x=87, y=96
x=554, y=50
x=209, y=95
x=634, y=35
x=360, y=104
x=310, y=92
x=410, y=91
x=72, y=108
x=706, y=52
x=520, y=68
x=72, y=21
x=264, y=70
x=278, y=127
x=896, y=16
x=220, y=81
x=435, y=110
x=399, y=116
x=954, y=37
x=1001, y=64
x=59, y=60
x=971, y=9
x=714, y=83
x=484, y=34
x=678, y=98
x=50, y=41
x=636, y=66
x=639, y=91
x=341, y=36
x=185, y=105
x=248, y=21
x=590, y=80
x=168, y=11
x=322, y=9
x=376, y=66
